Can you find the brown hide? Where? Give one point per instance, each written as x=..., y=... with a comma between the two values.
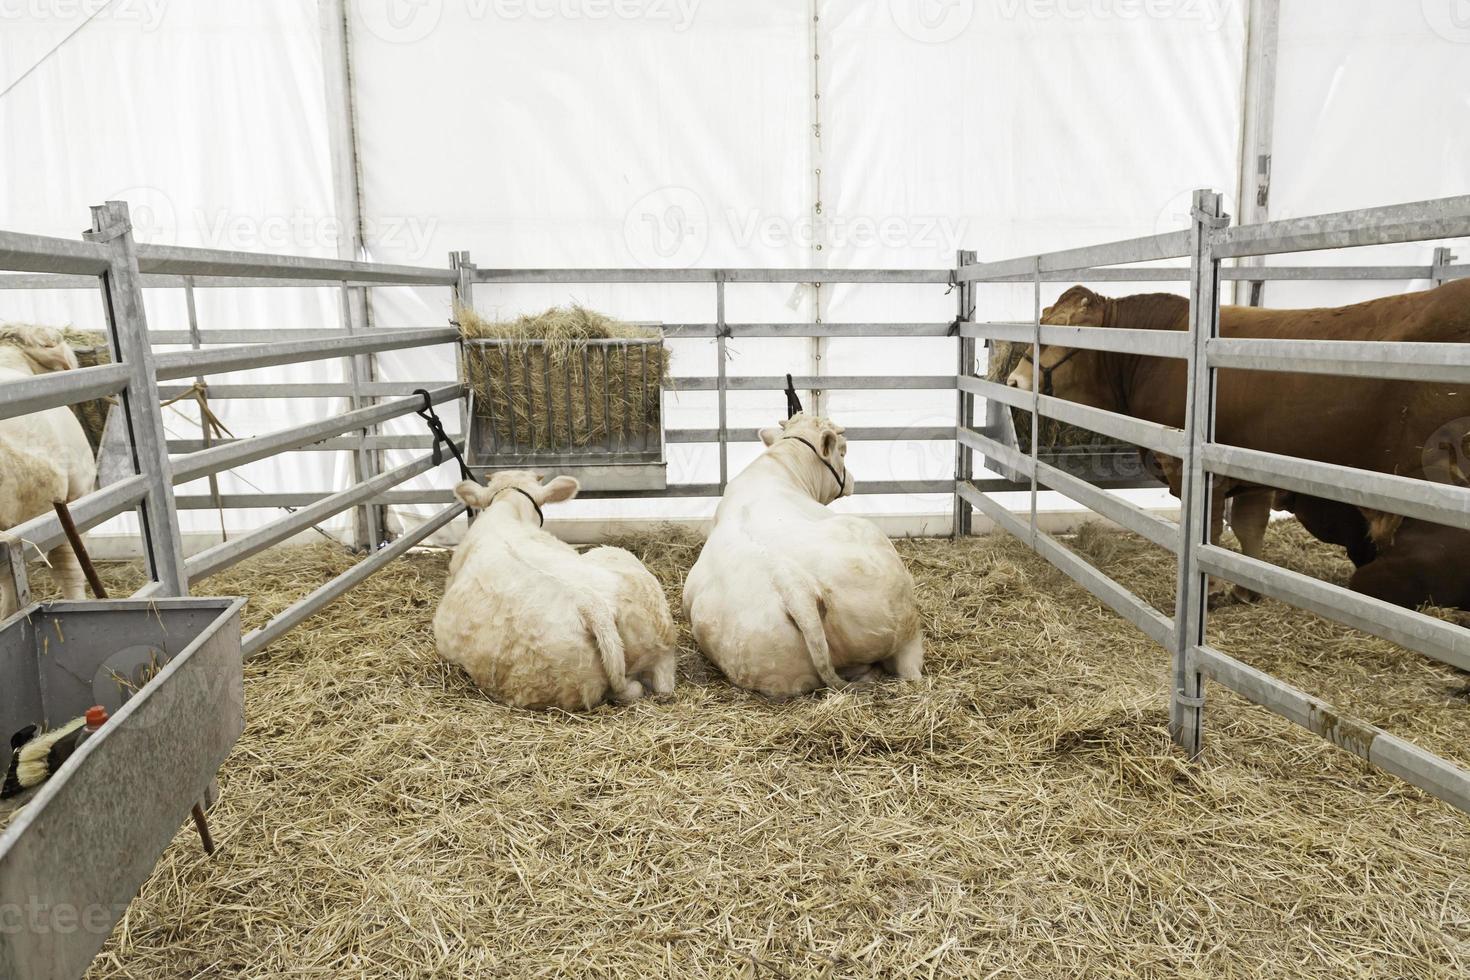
x=1412, y=428
x=1366, y=423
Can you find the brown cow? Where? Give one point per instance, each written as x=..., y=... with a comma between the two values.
x=1382, y=425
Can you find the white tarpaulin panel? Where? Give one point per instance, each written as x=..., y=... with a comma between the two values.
x=678, y=133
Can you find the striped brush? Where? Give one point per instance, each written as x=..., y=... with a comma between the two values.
x=34, y=758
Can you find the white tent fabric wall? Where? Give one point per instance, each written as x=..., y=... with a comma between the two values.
x=690, y=132
x=207, y=119
x=1372, y=108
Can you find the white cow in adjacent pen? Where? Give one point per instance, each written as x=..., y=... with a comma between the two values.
x=536, y=624
x=44, y=456
x=787, y=595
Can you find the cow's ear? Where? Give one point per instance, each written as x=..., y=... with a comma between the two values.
x=472, y=494
x=770, y=435
x=829, y=442
x=562, y=488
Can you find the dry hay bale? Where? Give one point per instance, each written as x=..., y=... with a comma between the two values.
x=91, y=350
x=601, y=395
x=1020, y=810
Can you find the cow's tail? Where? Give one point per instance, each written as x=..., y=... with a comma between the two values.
x=599, y=621
x=803, y=604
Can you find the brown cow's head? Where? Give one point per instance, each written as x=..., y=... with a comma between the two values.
x=1069, y=372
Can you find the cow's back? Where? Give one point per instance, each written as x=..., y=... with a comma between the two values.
x=510, y=626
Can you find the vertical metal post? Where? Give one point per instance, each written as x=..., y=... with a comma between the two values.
x=15, y=557
x=1257, y=125
x=1035, y=388
x=964, y=465
x=1186, y=702
x=128, y=325
x=196, y=341
x=464, y=299
x=721, y=332
x=1438, y=273
x=370, y=528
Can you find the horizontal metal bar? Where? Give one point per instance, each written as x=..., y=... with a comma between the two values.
x=1321, y=273
x=336, y=444
x=241, y=451
x=1437, y=777
x=156, y=281
x=1160, y=438
x=684, y=331
x=321, y=597
x=1154, y=624
x=59, y=388
x=926, y=276
x=44, y=530
x=182, y=261
x=824, y=382
x=240, y=501
x=1269, y=273
x=1449, y=362
x=534, y=342
x=1163, y=533
x=1447, y=217
x=296, y=389
x=1173, y=245
x=1155, y=343
x=892, y=433
x=257, y=336
x=1434, y=638
x=40, y=253
x=189, y=363
x=1441, y=503
x=221, y=556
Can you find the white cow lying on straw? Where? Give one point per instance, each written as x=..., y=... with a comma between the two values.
x=44, y=456
x=536, y=624
x=787, y=595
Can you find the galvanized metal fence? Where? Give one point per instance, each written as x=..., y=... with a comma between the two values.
x=1206, y=244
x=110, y=259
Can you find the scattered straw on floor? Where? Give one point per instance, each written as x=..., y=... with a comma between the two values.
x=1018, y=812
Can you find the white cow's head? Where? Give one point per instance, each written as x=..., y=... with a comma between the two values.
x=827, y=457
x=45, y=347
x=521, y=487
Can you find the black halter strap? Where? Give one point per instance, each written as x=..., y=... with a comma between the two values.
x=793, y=403
x=539, y=516
x=1046, y=385
x=840, y=478
x=441, y=438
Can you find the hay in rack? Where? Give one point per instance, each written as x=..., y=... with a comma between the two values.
x=568, y=379
x=1053, y=435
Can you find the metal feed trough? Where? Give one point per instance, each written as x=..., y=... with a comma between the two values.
x=76, y=853
x=593, y=411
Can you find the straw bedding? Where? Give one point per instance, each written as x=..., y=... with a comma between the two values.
x=599, y=395
x=1018, y=812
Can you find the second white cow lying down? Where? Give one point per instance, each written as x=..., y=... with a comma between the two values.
x=45, y=456
x=786, y=595
x=536, y=624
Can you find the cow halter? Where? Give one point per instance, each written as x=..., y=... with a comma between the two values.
x=539, y=516
x=1046, y=385
x=841, y=478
